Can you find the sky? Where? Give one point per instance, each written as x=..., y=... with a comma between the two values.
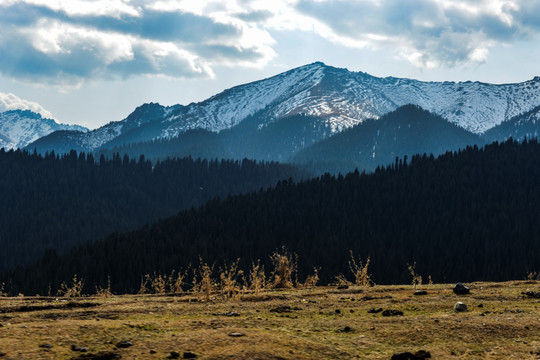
x=90, y=62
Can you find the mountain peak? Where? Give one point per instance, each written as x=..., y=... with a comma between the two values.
x=316, y=64
x=25, y=113
x=18, y=128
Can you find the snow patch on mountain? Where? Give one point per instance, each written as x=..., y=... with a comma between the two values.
x=18, y=128
x=144, y=114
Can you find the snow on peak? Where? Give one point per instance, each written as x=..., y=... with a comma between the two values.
x=230, y=107
x=344, y=98
x=18, y=128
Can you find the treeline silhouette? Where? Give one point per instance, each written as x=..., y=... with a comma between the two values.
x=55, y=203
x=464, y=216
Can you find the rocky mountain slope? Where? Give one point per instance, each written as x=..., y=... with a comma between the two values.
x=344, y=98
x=18, y=128
x=338, y=98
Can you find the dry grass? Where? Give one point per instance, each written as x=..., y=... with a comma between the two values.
x=360, y=271
x=316, y=323
x=285, y=267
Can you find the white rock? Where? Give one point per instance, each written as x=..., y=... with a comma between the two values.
x=460, y=307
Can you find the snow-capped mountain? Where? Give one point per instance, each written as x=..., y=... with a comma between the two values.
x=18, y=128
x=523, y=126
x=344, y=98
x=64, y=141
x=338, y=98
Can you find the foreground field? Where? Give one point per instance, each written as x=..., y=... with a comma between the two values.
x=502, y=322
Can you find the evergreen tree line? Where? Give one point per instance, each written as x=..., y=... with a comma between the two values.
x=463, y=216
x=55, y=202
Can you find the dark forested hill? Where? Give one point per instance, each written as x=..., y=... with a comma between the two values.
x=523, y=126
x=277, y=140
x=407, y=131
x=472, y=215
x=55, y=203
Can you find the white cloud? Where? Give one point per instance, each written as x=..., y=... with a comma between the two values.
x=66, y=42
x=54, y=37
x=69, y=41
x=429, y=33
x=113, y=8
x=12, y=102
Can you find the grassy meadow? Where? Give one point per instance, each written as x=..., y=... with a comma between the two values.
x=502, y=322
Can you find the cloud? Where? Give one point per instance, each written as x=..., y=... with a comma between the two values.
x=429, y=33
x=255, y=16
x=67, y=42
x=12, y=102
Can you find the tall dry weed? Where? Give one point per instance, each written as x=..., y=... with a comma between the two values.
x=257, y=277
x=229, y=280
x=203, y=282
x=416, y=279
x=360, y=271
x=105, y=292
x=312, y=280
x=73, y=290
x=285, y=267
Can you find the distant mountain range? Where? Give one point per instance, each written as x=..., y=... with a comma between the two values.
x=18, y=128
x=277, y=118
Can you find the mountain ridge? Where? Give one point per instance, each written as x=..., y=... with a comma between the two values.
x=339, y=98
x=18, y=128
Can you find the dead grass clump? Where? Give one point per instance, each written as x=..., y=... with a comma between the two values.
x=75, y=290
x=360, y=271
x=341, y=280
x=175, y=281
x=416, y=279
x=203, y=283
x=285, y=266
x=105, y=292
x=158, y=283
x=257, y=277
x=311, y=280
x=229, y=280
x=144, y=282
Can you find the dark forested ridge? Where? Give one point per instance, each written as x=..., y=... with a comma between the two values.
x=277, y=140
x=470, y=215
x=56, y=202
x=407, y=131
x=526, y=125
